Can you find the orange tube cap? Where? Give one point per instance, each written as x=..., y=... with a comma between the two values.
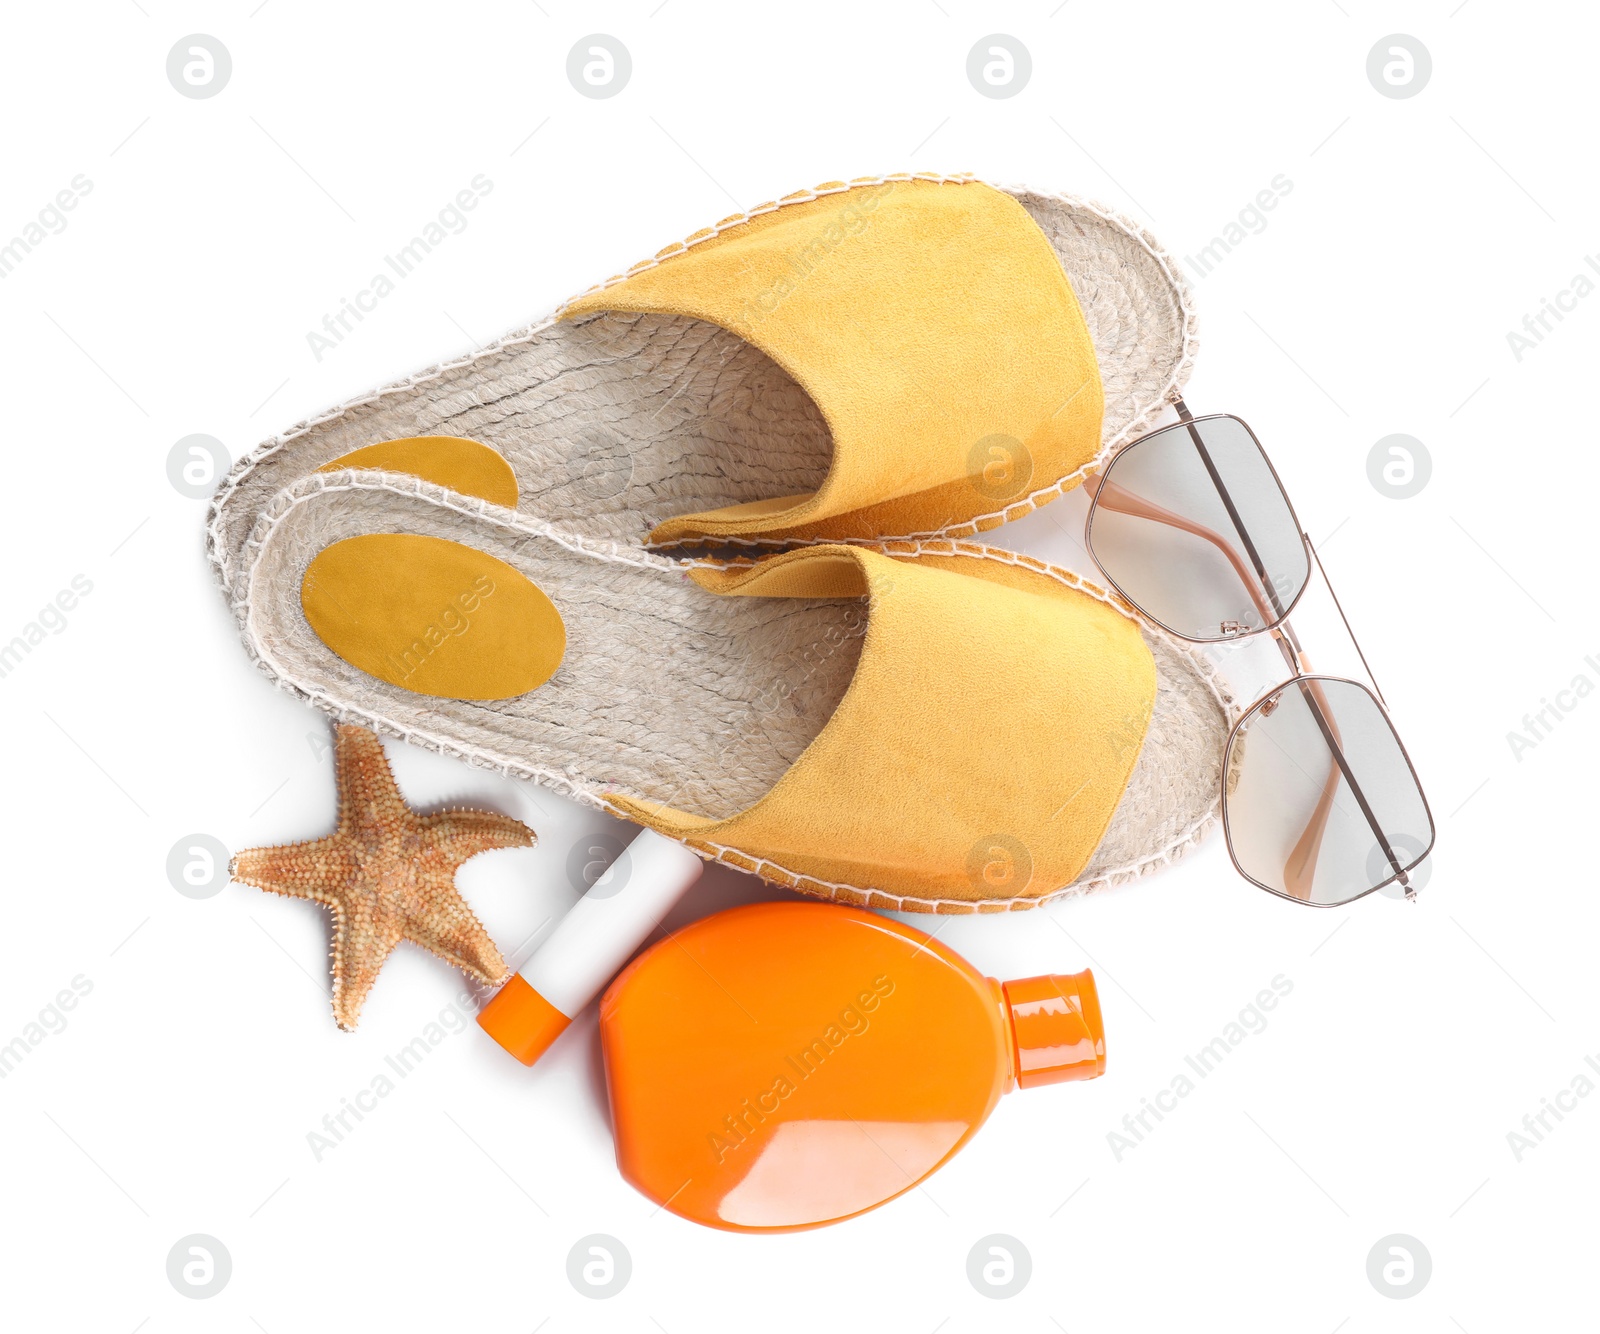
x=522, y=1021
x=1056, y=1023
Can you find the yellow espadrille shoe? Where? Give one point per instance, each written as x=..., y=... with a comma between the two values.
x=908, y=356
x=930, y=725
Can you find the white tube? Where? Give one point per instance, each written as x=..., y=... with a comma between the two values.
x=592, y=942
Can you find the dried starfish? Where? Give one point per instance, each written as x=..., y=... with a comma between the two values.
x=387, y=873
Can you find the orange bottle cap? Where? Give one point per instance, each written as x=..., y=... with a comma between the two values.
x=1055, y=1022
x=522, y=1021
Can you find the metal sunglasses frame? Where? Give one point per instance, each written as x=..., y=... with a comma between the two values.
x=1302, y=674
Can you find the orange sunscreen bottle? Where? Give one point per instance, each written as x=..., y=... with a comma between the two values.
x=789, y=1065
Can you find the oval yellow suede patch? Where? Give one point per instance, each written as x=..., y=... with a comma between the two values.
x=466, y=466
x=433, y=616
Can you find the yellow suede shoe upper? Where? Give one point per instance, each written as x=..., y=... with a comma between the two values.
x=932, y=325
x=981, y=748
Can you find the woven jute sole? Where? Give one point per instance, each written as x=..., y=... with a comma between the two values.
x=670, y=693
x=614, y=422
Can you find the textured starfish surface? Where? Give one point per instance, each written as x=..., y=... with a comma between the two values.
x=387, y=873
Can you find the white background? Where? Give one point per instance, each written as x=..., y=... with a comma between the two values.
x=219, y=232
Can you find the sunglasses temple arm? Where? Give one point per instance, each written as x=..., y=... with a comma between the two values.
x=1302, y=860
x=1118, y=498
x=1108, y=495
x=1239, y=526
x=1299, y=871
x=1323, y=570
x=1399, y=874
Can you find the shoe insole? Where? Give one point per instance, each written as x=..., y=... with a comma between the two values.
x=466, y=466
x=432, y=616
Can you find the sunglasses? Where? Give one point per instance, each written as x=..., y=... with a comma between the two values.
x=1320, y=802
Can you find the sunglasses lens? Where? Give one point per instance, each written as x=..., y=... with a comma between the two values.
x=1192, y=527
x=1301, y=824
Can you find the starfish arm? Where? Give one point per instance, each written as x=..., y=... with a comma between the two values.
x=362, y=940
x=298, y=870
x=454, y=933
x=369, y=798
x=460, y=834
